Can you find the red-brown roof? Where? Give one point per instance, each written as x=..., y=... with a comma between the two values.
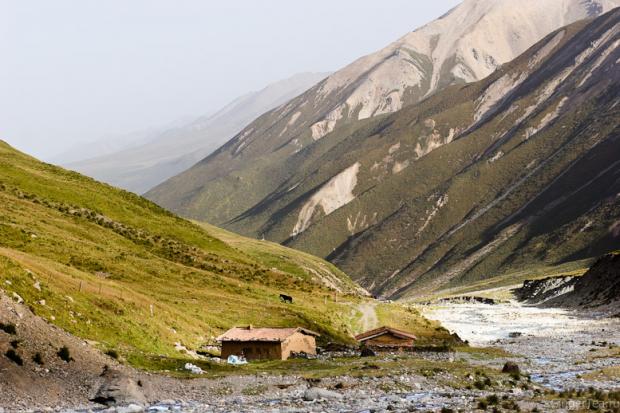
x=382, y=331
x=263, y=334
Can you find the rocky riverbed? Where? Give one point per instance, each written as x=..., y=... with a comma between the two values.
x=402, y=392
x=559, y=348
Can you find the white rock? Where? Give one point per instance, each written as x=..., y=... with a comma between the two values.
x=18, y=298
x=193, y=368
x=132, y=408
x=316, y=393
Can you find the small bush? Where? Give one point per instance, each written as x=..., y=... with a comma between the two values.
x=511, y=405
x=14, y=357
x=112, y=353
x=482, y=384
x=15, y=343
x=254, y=390
x=65, y=354
x=8, y=328
x=38, y=358
x=482, y=405
x=493, y=399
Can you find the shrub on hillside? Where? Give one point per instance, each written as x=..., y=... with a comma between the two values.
x=38, y=358
x=65, y=354
x=8, y=328
x=14, y=357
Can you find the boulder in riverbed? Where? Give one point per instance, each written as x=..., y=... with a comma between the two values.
x=367, y=352
x=118, y=389
x=316, y=393
x=511, y=368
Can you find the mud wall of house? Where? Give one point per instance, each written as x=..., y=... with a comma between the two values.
x=298, y=343
x=252, y=350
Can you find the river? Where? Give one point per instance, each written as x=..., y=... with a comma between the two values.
x=557, y=347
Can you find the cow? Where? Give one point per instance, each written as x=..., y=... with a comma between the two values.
x=286, y=298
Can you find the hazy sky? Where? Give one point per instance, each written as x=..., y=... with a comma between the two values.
x=78, y=70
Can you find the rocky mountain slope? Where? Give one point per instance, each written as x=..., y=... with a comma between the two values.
x=467, y=44
x=166, y=153
x=118, y=271
x=511, y=172
x=598, y=288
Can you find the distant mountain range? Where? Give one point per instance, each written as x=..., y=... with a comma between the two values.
x=139, y=161
x=109, y=144
x=412, y=179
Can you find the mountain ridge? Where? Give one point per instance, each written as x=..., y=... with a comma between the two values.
x=167, y=151
x=223, y=186
x=455, y=151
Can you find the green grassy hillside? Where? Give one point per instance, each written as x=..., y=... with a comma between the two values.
x=114, y=268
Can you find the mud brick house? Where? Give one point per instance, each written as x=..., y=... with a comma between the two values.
x=386, y=338
x=267, y=343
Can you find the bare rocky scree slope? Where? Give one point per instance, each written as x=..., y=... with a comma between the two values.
x=598, y=288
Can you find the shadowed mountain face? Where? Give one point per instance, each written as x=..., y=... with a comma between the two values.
x=518, y=170
x=156, y=156
x=598, y=288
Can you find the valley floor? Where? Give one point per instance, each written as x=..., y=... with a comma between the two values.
x=555, y=349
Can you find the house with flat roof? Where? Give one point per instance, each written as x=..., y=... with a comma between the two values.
x=267, y=343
